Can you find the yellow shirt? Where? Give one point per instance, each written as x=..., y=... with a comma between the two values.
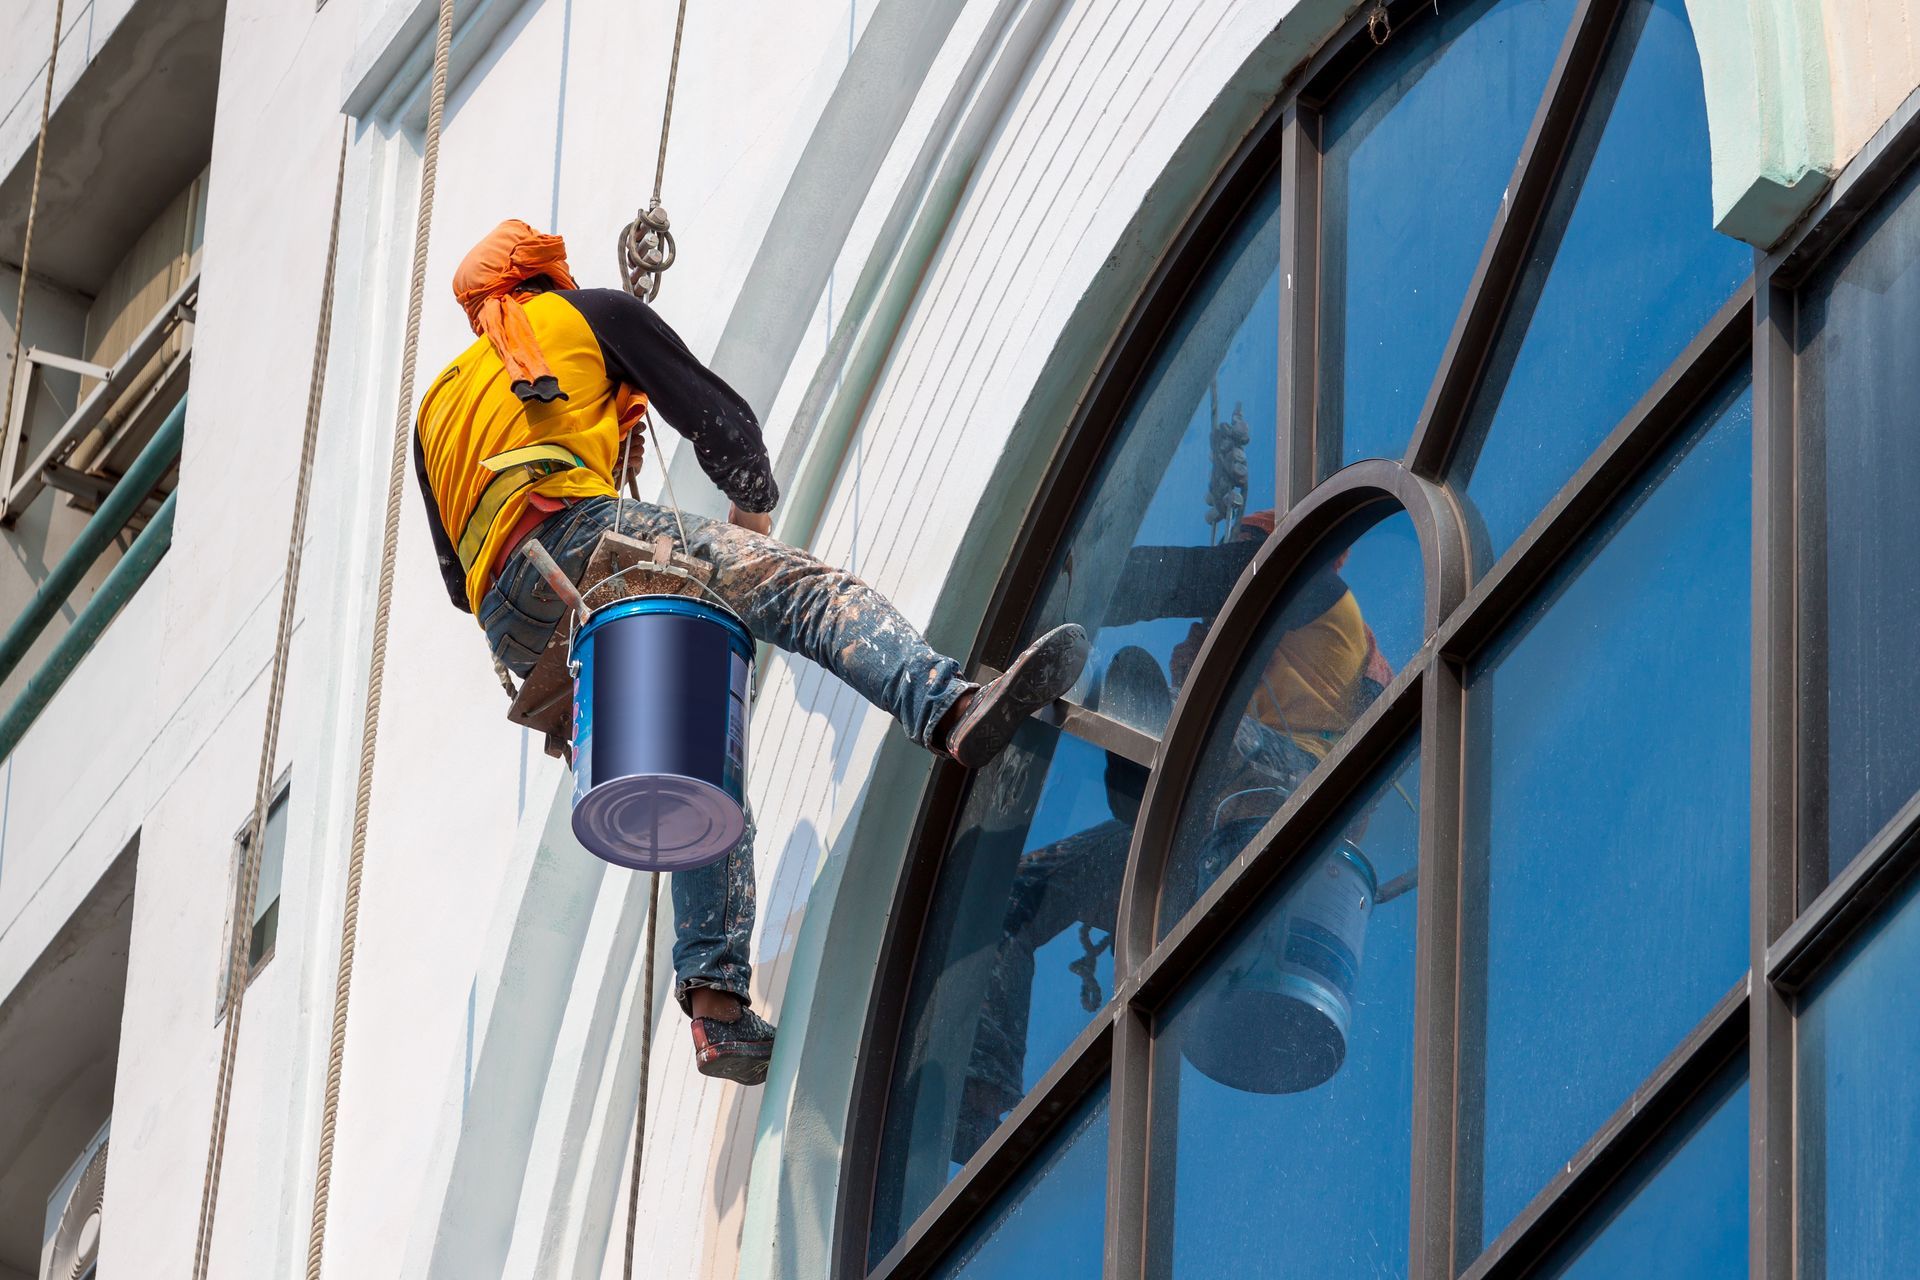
x=470, y=414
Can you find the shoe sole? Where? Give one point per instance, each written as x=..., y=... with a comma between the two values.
x=741, y=1068
x=1037, y=677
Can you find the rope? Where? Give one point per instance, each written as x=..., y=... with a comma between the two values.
x=646, y=1068
x=666, y=115
x=33, y=207
x=646, y=247
x=263, y=783
x=377, y=663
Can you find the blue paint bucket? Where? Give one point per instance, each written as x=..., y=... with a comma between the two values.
x=660, y=698
x=1275, y=1018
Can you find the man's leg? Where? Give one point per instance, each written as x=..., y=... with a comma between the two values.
x=1074, y=880
x=713, y=932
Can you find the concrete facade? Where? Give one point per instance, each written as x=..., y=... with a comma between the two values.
x=907, y=231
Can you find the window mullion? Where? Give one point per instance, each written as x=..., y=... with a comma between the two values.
x=1129, y=1101
x=1775, y=794
x=1437, y=974
x=1504, y=259
x=1299, y=306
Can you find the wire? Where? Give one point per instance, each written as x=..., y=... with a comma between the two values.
x=667, y=475
x=666, y=115
x=646, y=1068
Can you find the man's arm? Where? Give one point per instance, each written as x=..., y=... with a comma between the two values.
x=451, y=573
x=642, y=351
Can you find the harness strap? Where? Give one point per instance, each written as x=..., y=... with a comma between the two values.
x=516, y=469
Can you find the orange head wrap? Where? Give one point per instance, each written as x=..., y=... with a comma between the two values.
x=510, y=255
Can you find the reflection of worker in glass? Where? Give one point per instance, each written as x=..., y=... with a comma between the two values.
x=1325, y=669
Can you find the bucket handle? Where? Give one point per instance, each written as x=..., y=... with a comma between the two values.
x=1282, y=792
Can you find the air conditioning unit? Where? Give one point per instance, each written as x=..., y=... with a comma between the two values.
x=73, y=1216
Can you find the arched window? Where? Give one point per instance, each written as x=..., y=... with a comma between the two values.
x=1392, y=860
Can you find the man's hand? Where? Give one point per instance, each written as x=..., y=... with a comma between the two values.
x=760, y=522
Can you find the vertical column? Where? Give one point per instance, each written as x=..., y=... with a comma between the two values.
x=1294, y=459
x=1775, y=806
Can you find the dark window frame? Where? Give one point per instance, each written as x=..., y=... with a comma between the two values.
x=1797, y=925
x=282, y=794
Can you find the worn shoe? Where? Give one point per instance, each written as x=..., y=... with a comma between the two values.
x=1047, y=669
x=737, y=1050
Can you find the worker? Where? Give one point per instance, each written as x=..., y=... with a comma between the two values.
x=528, y=434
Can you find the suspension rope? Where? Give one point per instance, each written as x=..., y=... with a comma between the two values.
x=33, y=207
x=646, y=1070
x=237, y=945
x=377, y=662
x=646, y=248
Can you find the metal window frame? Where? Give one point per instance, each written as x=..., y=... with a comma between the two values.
x=282, y=794
x=1796, y=927
x=19, y=488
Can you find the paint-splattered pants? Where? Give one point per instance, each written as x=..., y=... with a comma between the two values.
x=787, y=598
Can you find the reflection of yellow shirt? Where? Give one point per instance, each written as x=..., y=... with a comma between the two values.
x=1307, y=690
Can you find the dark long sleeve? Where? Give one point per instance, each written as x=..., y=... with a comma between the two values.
x=450, y=571
x=641, y=350
x=1178, y=582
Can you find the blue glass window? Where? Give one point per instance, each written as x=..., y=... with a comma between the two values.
x=1052, y=1221
x=1682, y=1214
x=1405, y=207
x=1606, y=831
x=1015, y=957
x=1859, y=1106
x=1158, y=541
x=1350, y=619
x=1858, y=384
x=1283, y=1081
x=1625, y=272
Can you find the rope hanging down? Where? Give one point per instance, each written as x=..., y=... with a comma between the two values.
x=33, y=207
x=377, y=663
x=236, y=990
x=646, y=244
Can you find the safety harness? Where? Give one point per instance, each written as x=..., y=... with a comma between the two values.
x=514, y=470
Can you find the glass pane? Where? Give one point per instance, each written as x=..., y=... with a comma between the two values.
x=1052, y=1220
x=273, y=852
x=1625, y=273
x=1858, y=383
x=1682, y=1214
x=1159, y=538
x=1407, y=199
x=1015, y=957
x=1606, y=830
x=1859, y=1107
x=1352, y=617
x=1283, y=1083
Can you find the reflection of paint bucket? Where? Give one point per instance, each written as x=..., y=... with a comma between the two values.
x=660, y=732
x=1275, y=1018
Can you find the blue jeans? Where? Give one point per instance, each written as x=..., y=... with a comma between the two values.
x=788, y=599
